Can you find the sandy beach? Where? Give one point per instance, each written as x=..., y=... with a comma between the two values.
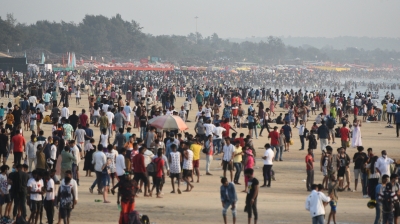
x=282, y=203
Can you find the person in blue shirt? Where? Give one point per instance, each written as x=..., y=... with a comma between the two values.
x=287, y=131
x=378, y=207
x=228, y=198
x=1, y=112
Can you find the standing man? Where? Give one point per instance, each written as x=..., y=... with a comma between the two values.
x=344, y=135
x=175, y=160
x=237, y=161
x=360, y=158
x=187, y=166
x=310, y=169
x=287, y=131
x=268, y=157
x=274, y=136
x=315, y=205
x=397, y=117
x=382, y=165
x=228, y=152
x=19, y=147
x=228, y=198
x=196, y=149
x=301, y=134
x=323, y=135
x=98, y=160
x=252, y=193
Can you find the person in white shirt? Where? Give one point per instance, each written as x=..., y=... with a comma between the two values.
x=65, y=112
x=75, y=166
x=207, y=112
x=120, y=168
x=110, y=117
x=187, y=106
x=267, y=168
x=128, y=111
x=382, y=165
x=301, y=134
x=31, y=148
x=35, y=188
x=315, y=204
x=227, y=157
x=217, y=131
x=49, y=198
x=183, y=114
x=99, y=160
x=32, y=100
x=209, y=128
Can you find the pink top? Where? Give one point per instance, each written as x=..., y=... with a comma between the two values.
x=250, y=162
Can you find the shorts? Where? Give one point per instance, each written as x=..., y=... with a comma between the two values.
x=396, y=212
x=35, y=206
x=5, y=199
x=9, y=126
x=175, y=175
x=333, y=205
x=186, y=173
x=324, y=171
x=312, y=108
x=65, y=212
x=105, y=178
x=227, y=165
x=287, y=139
x=46, y=103
x=331, y=131
x=251, y=125
x=196, y=163
x=357, y=173
x=341, y=172
x=3, y=153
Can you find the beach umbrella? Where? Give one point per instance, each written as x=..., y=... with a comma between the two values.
x=168, y=122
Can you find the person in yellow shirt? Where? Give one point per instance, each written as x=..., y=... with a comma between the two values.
x=196, y=148
x=237, y=161
x=10, y=120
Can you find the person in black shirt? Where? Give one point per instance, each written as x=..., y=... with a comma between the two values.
x=17, y=113
x=360, y=158
x=252, y=193
x=3, y=145
x=19, y=181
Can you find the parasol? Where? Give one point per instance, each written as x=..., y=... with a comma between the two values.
x=168, y=122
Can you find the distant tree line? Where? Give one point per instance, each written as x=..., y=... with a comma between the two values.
x=115, y=37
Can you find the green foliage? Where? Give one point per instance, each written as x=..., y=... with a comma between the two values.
x=114, y=37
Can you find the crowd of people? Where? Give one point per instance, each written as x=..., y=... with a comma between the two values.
x=140, y=157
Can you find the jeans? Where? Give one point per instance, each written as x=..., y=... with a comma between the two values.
x=372, y=183
x=387, y=217
x=225, y=208
x=142, y=132
x=378, y=212
x=265, y=126
x=390, y=118
x=255, y=129
x=209, y=159
x=74, y=168
x=279, y=150
x=323, y=142
x=302, y=141
x=318, y=219
x=310, y=179
x=217, y=145
x=364, y=179
x=49, y=207
x=20, y=201
x=98, y=181
x=238, y=168
x=397, y=129
x=94, y=119
x=267, y=174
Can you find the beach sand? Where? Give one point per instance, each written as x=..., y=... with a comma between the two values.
x=284, y=202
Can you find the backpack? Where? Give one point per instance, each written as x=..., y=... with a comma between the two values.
x=387, y=202
x=393, y=107
x=330, y=123
x=151, y=168
x=205, y=148
x=65, y=196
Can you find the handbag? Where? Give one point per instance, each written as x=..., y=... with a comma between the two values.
x=291, y=142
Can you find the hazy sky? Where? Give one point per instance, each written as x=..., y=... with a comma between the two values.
x=227, y=18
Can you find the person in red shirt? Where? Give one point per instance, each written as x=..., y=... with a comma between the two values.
x=225, y=124
x=83, y=118
x=310, y=169
x=274, y=136
x=159, y=173
x=19, y=147
x=355, y=112
x=139, y=169
x=240, y=140
x=344, y=135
